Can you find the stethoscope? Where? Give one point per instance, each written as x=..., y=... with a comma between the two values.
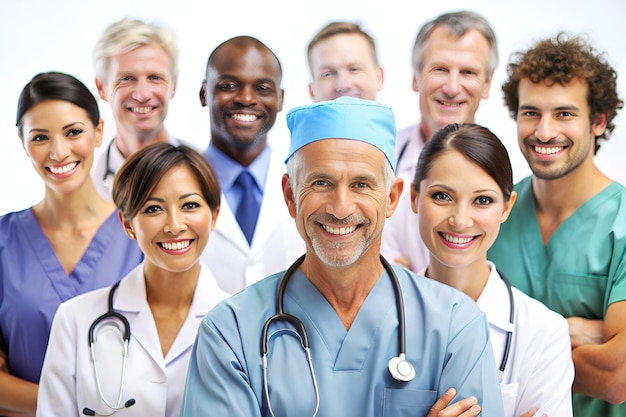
x=125, y=337
x=509, y=333
x=108, y=172
x=399, y=367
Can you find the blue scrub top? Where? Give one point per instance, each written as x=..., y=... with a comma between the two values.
x=447, y=343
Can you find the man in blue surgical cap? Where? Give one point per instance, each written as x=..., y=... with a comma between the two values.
x=342, y=333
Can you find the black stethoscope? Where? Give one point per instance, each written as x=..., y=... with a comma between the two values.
x=399, y=367
x=509, y=333
x=108, y=172
x=125, y=337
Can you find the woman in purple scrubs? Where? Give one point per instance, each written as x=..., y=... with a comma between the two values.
x=68, y=243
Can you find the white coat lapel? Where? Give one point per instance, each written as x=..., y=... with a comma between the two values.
x=131, y=301
x=228, y=227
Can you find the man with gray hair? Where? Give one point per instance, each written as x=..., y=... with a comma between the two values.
x=454, y=58
x=136, y=65
x=341, y=321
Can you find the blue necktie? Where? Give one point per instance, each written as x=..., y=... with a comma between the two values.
x=248, y=210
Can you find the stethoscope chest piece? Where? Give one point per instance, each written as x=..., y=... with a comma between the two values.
x=401, y=369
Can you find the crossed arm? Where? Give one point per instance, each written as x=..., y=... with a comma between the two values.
x=466, y=407
x=18, y=397
x=599, y=353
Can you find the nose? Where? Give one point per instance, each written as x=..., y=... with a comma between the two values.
x=452, y=84
x=175, y=222
x=60, y=149
x=343, y=82
x=546, y=129
x=341, y=204
x=246, y=95
x=142, y=91
x=460, y=218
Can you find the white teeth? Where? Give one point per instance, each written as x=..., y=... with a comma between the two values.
x=339, y=230
x=244, y=117
x=176, y=245
x=548, y=150
x=141, y=110
x=456, y=240
x=63, y=169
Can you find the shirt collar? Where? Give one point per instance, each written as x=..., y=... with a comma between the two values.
x=227, y=170
x=494, y=301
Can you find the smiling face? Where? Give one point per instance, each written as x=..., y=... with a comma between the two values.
x=59, y=138
x=344, y=65
x=173, y=226
x=341, y=200
x=139, y=86
x=242, y=90
x=554, y=129
x=460, y=210
x=452, y=79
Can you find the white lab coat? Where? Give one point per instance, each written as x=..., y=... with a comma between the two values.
x=539, y=371
x=275, y=245
x=68, y=383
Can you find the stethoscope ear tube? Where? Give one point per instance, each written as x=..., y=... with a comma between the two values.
x=108, y=315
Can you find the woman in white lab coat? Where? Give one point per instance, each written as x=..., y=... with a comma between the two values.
x=462, y=192
x=168, y=200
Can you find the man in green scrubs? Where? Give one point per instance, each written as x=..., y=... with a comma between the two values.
x=565, y=240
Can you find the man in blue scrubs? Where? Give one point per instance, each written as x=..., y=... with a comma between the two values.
x=340, y=187
x=564, y=242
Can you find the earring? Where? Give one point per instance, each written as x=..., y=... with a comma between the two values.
x=131, y=234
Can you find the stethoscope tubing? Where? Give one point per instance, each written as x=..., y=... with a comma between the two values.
x=125, y=336
x=107, y=165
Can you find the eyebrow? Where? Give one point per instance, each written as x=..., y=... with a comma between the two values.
x=558, y=108
x=36, y=129
x=447, y=188
x=182, y=197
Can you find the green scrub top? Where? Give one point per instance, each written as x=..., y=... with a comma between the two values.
x=579, y=272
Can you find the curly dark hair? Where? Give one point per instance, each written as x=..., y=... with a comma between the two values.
x=562, y=59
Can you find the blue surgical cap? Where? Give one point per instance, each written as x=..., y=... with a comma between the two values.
x=344, y=118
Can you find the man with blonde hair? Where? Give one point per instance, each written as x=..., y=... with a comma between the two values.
x=136, y=66
x=343, y=61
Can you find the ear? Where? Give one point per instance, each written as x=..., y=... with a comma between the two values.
x=125, y=223
x=486, y=88
x=214, y=215
x=203, y=93
x=99, y=132
x=101, y=90
x=599, y=124
x=414, y=197
x=289, y=195
x=416, y=86
x=508, y=206
x=394, y=196
x=174, y=85
x=381, y=77
x=311, y=93
x=281, y=100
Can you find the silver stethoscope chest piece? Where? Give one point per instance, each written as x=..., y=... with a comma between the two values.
x=401, y=369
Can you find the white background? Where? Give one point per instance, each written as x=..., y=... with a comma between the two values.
x=44, y=35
